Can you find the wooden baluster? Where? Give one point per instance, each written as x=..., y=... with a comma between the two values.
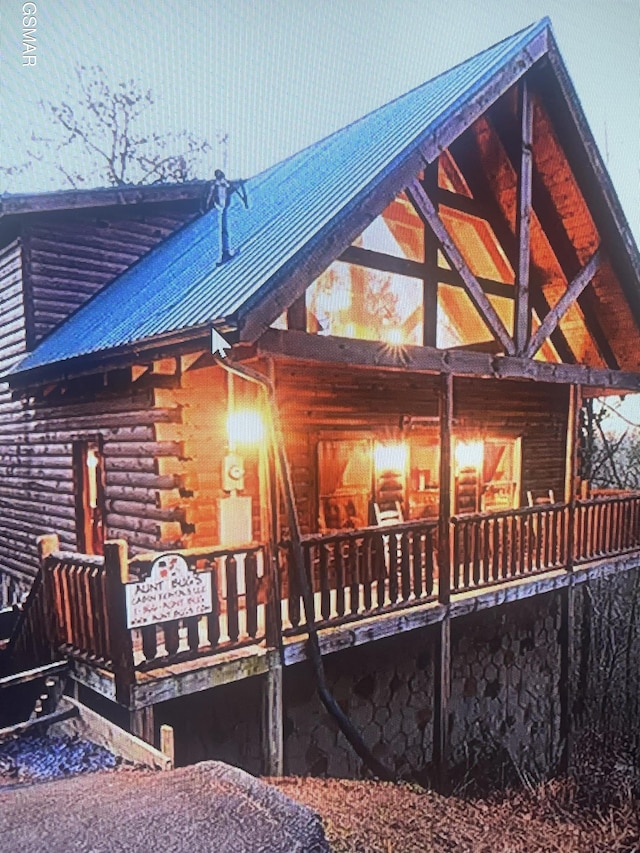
x=540, y=538
x=367, y=568
x=457, y=554
x=294, y=587
x=417, y=549
x=213, y=617
x=149, y=641
x=476, y=537
x=171, y=636
x=325, y=589
x=231, y=572
x=193, y=633
x=251, y=592
x=495, y=549
x=393, y=567
x=505, y=547
x=430, y=549
x=354, y=581
x=517, y=545
x=340, y=577
x=486, y=550
x=380, y=568
x=466, y=554
x=405, y=565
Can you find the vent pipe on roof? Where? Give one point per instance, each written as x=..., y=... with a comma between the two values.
x=219, y=195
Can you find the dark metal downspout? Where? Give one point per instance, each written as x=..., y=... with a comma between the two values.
x=313, y=645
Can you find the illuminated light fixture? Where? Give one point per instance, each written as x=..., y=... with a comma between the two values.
x=245, y=427
x=469, y=454
x=393, y=335
x=390, y=457
x=92, y=478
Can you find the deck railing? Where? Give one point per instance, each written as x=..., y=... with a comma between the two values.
x=238, y=615
x=488, y=548
x=360, y=572
x=606, y=526
x=78, y=603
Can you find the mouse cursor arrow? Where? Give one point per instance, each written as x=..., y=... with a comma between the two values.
x=218, y=344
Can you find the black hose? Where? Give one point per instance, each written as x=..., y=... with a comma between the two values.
x=345, y=724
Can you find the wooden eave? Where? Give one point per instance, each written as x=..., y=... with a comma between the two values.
x=356, y=353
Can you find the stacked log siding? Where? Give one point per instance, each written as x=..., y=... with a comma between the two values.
x=66, y=262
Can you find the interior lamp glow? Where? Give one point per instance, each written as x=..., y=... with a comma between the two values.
x=390, y=457
x=245, y=427
x=469, y=454
x=393, y=335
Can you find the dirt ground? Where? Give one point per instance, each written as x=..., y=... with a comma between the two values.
x=376, y=817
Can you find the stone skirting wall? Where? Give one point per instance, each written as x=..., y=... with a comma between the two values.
x=385, y=687
x=505, y=674
x=505, y=670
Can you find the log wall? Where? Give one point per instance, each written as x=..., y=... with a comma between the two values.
x=12, y=347
x=67, y=261
x=319, y=402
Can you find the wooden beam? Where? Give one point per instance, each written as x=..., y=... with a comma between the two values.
x=565, y=682
x=445, y=399
x=571, y=294
x=427, y=211
x=334, y=350
x=441, y=698
x=461, y=203
x=142, y=724
x=272, y=716
x=522, y=324
x=380, y=261
x=467, y=158
x=403, y=266
x=431, y=272
x=554, y=229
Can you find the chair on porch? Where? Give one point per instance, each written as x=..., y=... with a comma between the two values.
x=543, y=497
x=391, y=514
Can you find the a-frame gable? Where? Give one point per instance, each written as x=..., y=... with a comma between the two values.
x=569, y=305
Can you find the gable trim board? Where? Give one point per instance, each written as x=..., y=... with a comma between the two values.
x=306, y=212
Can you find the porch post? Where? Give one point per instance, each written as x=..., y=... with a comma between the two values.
x=272, y=733
x=442, y=674
x=116, y=568
x=142, y=724
x=567, y=594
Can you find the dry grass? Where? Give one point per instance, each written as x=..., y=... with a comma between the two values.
x=375, y=817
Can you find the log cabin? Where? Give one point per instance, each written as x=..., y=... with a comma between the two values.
x=350, y=404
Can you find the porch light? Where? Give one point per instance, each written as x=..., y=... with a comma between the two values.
x=245, y=427
x=469, y=454
x=390, y=457
x=92, y=477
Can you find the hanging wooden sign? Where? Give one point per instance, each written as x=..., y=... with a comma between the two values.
x=172, y=591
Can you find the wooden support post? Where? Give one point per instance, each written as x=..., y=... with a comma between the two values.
x=121, y=647
x=47, y=544
x=567, y=640
x=167, y=743
x=444, y=548
x=297, y=314
x=272, y=734
x=430, y=275
x=142, y=724
x=523, y=221
x=571, y=469
x=442, y=693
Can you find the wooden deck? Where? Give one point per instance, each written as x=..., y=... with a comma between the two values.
x=366, y=584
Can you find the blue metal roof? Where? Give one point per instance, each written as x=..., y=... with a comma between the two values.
x=177, y=286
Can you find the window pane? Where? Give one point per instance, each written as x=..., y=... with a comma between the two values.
x=397, y=231
x=344, y=479
x=356, y=302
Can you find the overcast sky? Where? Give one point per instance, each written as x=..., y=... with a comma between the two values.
x=277, y=75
